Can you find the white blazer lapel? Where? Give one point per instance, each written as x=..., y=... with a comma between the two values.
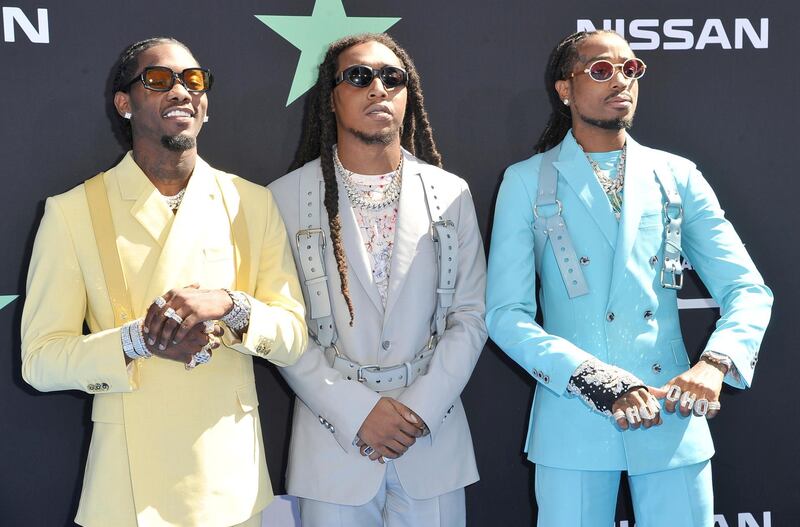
x=355, y=252
x=413, y=223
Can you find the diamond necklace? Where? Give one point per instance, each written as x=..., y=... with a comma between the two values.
x=173, y=202
x=612, y=187
x=359, y=198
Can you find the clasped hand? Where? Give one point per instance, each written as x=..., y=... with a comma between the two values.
x=169, y=339
x=389, y=430
x=641, y=406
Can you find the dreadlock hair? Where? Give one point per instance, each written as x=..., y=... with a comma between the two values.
x=126, y=66
x=319, y=134
x=559, y=65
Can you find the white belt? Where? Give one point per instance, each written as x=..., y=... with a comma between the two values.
x=383, y=378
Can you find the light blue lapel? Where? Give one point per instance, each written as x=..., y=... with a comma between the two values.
x=413, y=224
x=639, y=174
x=575, y=169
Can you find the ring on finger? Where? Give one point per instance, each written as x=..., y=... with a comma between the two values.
x=192, y=364
x=673, y=393
x=368, y=451
x=170, y=313
x=714, y=405
x=208, y=326
x=701, y=407
x=619, y=414
x=160, y=302
x=632, y=414
x=646, y=412
x=202, y=356
x=687, y=400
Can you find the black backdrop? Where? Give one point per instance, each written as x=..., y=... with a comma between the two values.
x=733, y=111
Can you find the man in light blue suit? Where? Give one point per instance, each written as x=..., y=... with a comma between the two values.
x=604, y=221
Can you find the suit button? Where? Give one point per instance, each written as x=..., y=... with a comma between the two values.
x=656, y=368
x=105, y=386
x=386, y=344
x=321, y=421
x=584, y=260
x=90, y=387
x=546, y=379
x=648, y=315
x=653, y=261
x=610, y=316
x=753, y=363
x=332, y=429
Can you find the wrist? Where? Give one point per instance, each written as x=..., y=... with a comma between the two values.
x=721, y=362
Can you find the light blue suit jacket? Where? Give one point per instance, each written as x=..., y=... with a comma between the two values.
x=563, y=432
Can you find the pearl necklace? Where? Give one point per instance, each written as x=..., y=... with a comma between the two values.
x=359, y=198
x=173, y=202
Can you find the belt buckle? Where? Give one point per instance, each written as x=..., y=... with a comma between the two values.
x=360, y=371
x=308, y=233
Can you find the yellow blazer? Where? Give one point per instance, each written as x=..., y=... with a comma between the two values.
x=169, y=447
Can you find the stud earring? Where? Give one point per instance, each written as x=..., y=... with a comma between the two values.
x=127, y=115
x=566, y=102
x=205, y=118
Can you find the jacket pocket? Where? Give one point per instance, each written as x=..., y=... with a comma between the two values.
x=679, y=352
x=248, y=397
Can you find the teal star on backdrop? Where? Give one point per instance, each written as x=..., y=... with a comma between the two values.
x=6, y=299
x=312, y=34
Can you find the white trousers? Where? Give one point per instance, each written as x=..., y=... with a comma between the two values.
x=391, y=507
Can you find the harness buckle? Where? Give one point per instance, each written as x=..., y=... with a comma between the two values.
x=307, y=233
x=360, y=371
x=440, y=223
x=675, y=283
x=536, y=209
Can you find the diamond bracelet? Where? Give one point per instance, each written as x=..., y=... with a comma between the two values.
x=238, y=317
x=133, y=340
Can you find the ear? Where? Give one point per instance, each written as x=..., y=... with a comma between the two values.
x=563, y=88
x=122, y=102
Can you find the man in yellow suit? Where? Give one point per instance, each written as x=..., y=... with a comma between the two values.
x=168, y=261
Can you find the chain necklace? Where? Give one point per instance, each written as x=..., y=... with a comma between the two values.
x=360, y=198
x=173, y=202
x=612, y=187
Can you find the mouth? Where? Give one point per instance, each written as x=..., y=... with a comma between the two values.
x=380, y=112
x=178, y=114
x=620, y=101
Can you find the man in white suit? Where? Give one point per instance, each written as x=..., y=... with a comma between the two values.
x=379, y=435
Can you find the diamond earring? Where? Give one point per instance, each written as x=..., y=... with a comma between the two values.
x=566, y=102
x=127, y=115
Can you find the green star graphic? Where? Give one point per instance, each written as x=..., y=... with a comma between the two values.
x=6, y=299
x=312, y=34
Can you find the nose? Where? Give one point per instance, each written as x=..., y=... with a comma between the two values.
x=620, y=80
x=178, y=92
x=376, y=89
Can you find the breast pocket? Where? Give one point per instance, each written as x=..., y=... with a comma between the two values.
x=219, y=270
x=651, y=220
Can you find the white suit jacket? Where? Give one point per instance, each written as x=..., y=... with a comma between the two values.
x=323, y=463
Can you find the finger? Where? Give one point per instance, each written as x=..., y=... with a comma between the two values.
x=623, y=423
x=156, y=326
x=396, y=446
x=184, y=328
x=153, y=312
x=408, y=429
x=672, y=398
x=194, y=285
x=687, y=402
x=365, y=449
x=658, y=393
x=711, y=414
x=218, y=331
x=167, y=333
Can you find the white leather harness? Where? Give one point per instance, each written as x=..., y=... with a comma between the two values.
x=311, y=245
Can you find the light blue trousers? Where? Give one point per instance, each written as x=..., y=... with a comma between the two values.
x=582, y=498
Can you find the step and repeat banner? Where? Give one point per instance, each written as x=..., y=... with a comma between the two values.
x=721, y=88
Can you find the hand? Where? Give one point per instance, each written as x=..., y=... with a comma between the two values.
x=703, y=380
x=195, y=340
x=639, y=398
x=389, y=429
x=193, y=305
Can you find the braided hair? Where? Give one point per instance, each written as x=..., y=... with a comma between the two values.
x=319, y=134
x=559, y=65
x=125, y=68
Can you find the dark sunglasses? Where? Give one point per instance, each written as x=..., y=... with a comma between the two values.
x=161, y=78
x=603, y=70
x=361, y=76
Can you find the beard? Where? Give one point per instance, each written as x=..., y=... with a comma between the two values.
x=178, y=143
x=620, y=123
x=378, y=138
